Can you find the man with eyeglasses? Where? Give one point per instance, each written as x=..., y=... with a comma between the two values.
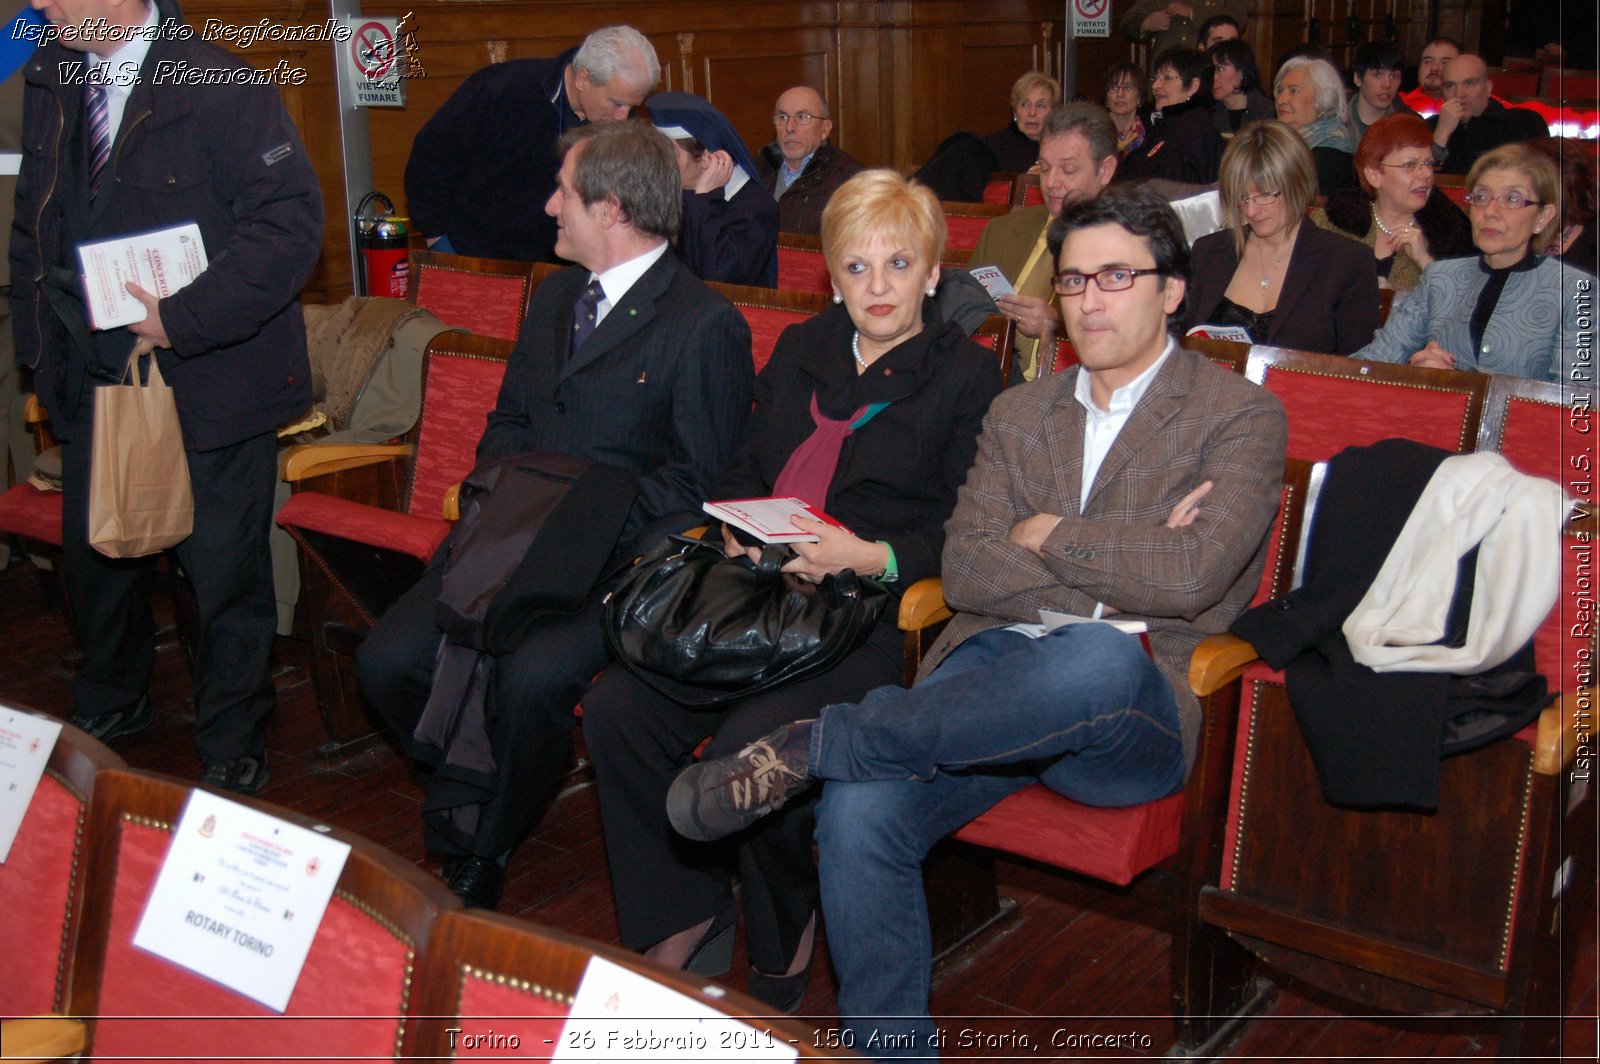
x=483, y=166
x=1470, y=123
x=802, y=168
x=1138, y=486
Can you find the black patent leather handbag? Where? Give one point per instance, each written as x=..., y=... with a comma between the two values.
x=706, y=629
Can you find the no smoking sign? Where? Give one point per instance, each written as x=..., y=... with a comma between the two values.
x=370, y=62
x=1091, y=18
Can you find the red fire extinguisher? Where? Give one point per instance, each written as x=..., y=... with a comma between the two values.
x=382, y=240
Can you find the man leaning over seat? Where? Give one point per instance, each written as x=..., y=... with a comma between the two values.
x=1182, y=463
x=660, y=386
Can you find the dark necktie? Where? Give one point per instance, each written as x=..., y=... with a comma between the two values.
x=583, y=313
x=99, y=134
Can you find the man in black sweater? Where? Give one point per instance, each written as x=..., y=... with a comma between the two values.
x=1470, y=122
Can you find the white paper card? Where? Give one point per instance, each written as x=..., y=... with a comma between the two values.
x=620, y=1015
x=25, y=745
x=240, y=897
x=1053, y=619
x=993, y=280
x=161, y=261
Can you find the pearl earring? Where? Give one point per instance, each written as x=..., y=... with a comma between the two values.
x=931, y=291
x=837, y=298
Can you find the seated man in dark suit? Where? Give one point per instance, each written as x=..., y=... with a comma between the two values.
x=1141, y=483
x=1470, y=122
x=659, y=384
x=1077, y=158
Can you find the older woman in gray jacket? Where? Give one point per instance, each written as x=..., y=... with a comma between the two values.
x=1510, y=310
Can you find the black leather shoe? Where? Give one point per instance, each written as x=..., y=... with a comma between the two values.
x=478, y=881
x=117, y=723
x=782, y=992
x=242, y=775
x=712, y=956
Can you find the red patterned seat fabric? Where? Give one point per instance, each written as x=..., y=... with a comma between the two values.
x=1328, y=414
x=478, y=302
x=766, y=325
x=349, y=1003
x=35, y=895
x=456, y=400
x=964, y=231
x=499, y=1012
x=800, y=270
x=27, y=511
x=360, y=523
x=1110, y=844
x=998, y=191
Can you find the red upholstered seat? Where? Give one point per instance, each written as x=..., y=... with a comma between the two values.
x=27, y=511
x=770, y=311
x=1000, y=189
x=354, y=998
x=802, y=269
x=485, y=296
x=312, y=511
x=1522, y=83
x=1032, y=195
x=41, y=879
x=1456, y=194
x=1114, y=845
x=965, y=230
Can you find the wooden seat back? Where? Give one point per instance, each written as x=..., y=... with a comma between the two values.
x=355, y=995
x=42, y=877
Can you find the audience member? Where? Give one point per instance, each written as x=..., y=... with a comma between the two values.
x=1141, y=483
x=1216, y=29
x=1288, y=283
x=232, y=346
x=1124, y=98
x=1166, y=24
x=729, y=230
x=484, y=164
x=1077, y=159
x=1575, y=243
x=1511, y=309
x=1236, y=87
x=617, y=203
x=803, y=167
x=1470, y=123
x=887, y=364
x=1310, y=100
x=1181, y=143
x=1429, y=92
x=1398, y=211
x=1016, y=147
x=1376, y=76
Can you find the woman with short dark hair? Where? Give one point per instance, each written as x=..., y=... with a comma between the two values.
x=1236, y=87
x=1180, y=142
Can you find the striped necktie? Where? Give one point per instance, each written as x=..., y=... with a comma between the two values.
x=99, y=134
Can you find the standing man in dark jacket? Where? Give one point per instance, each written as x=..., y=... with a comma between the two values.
x=483, y=166
x=802, y=168
x=232, y=344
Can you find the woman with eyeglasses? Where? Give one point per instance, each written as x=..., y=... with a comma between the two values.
x=1180, y=142
x=1236, y=87
x=1511, y=309
x=1398, y=211
x=1285, y=282
x=1124, y=96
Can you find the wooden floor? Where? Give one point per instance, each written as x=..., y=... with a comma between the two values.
x=1079, y=961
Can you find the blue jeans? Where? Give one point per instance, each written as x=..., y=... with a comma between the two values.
x=1083, y=710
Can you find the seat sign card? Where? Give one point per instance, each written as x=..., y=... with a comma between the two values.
x=25, y=745
x=240, y=897
x=161, y=261
x=620, y=1015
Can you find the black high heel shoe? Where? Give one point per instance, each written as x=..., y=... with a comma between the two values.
x=782, y=992
x=712, y=956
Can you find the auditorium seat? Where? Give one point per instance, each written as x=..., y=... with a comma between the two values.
x=485, y=296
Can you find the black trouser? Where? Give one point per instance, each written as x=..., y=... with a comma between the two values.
x=529, y=704
x=640, y=739
x=228, y=562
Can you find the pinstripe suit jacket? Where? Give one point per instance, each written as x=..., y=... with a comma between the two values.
x=1195, y=423
x=662, y=389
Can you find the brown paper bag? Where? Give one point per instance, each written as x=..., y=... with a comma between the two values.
x=140, y=501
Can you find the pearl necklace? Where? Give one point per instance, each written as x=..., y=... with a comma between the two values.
x=1385, y=230
x=855, y=349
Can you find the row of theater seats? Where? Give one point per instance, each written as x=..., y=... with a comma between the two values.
x=1482, y=943
x=397, y=965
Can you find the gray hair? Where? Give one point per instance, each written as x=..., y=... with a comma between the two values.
x=634, y=164
x=1329, y=99
x=1090, y=121
x=618, y=50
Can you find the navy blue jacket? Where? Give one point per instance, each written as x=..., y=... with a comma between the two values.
x=225, y=156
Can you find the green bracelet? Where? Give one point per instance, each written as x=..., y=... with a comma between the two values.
x=891, y=568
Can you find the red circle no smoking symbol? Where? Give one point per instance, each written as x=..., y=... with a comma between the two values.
x=373, y=49
x=1091, y=8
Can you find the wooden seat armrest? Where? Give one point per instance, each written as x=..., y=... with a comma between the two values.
x=923, y=604
x=314, y=460
x=43, y=1038
x=33, y=411
x=1559, y=726
x=452, y=503
x=1218, y=661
